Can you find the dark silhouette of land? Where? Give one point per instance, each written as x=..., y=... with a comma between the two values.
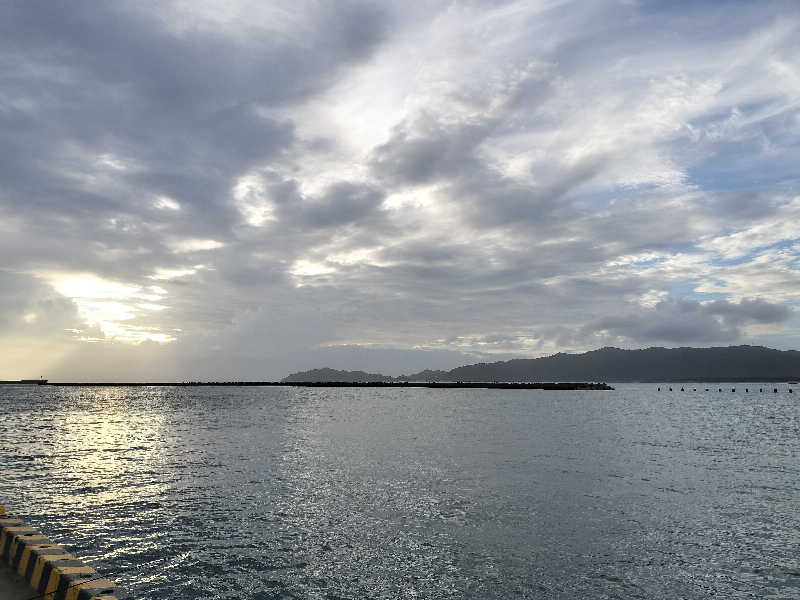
x=370, y=384
x=326, y=374
x=733, y=363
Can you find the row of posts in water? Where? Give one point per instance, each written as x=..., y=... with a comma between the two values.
x=747, y=390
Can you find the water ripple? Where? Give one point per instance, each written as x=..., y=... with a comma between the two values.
x=443, y=494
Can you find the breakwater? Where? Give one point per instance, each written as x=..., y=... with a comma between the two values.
x=359, y=384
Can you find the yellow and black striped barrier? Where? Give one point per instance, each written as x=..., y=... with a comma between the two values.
x=52, y=572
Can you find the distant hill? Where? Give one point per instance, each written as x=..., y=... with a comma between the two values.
x=335, y=375
x=733, y=363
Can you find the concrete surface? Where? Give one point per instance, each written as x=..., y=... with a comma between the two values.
x=12, y=586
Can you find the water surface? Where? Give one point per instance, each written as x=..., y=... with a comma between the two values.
x=400, y=493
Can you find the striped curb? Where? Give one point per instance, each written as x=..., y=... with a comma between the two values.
x=48, y=568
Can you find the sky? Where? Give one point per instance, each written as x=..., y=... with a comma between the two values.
x=202, y=190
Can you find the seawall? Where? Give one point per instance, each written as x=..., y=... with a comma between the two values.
x=33, y=566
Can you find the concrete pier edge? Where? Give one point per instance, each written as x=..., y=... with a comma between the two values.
x=33, y=566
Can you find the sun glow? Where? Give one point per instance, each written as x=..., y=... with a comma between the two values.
x=163, y=274
x=112, y=307
x=89, y=286
x=166, y=203
x=303, y=271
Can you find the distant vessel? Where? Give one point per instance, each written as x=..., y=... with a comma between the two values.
x=26, y=382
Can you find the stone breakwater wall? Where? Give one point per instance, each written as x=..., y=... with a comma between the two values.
x=51, y=572
x=493, y=385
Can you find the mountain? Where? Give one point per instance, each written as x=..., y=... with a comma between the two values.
x=733, y=363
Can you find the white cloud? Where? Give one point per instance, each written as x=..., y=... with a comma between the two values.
x=772, y=275
x=303, y=269
x=780, y=227
x=252, y=200
x=164, y=274
x=194, y=245
x=166, y=203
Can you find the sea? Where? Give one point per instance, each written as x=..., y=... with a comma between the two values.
x=334, y=494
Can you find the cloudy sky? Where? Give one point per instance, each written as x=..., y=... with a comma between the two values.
x=214, y=190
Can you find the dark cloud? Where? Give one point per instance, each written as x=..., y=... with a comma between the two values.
x=29, y=307
x=741, y=206
x=239, y=136
x=680, y=321
x=179, y=114
x=341, y=204
x=748, y=311
x=426, y=151
x=496, y=200
x=197, y=67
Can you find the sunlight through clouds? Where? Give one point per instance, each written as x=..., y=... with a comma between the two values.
x=194, y=245
x=166, y=203
x=110, y=306
x=167, y=274
x=305, y=271
x=251, y=199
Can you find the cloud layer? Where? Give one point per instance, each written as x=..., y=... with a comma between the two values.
x=193, y=190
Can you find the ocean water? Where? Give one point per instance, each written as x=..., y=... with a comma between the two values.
x=412, y=493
